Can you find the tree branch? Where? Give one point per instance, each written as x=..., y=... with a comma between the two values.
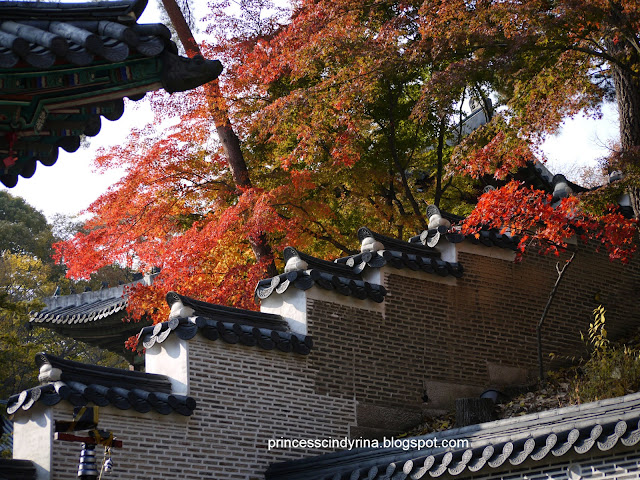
x=561, y=272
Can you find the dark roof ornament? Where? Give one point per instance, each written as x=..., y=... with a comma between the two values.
x=293, y=262
x=561, y=187
x=63, y=66
x=180, y=74
x=435, y=218
x=368, y=242
x=437, y=226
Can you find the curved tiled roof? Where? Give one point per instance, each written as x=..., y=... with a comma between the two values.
x=231, y=325
x=327, y=275
x=578, y=430
x=63, y=66
x=488, y=238
x=81, y=384
x=400, y=254
x=97, y=318
x=81, y=307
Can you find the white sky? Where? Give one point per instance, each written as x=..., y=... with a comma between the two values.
x=70, y=186
x=582, y=142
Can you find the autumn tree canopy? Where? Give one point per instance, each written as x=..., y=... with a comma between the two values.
x=546, y=60
x=351, y=113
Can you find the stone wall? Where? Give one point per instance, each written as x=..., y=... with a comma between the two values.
x=450, y=338
x=374, y=370
x=246, y=397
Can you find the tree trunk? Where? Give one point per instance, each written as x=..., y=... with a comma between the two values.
x=627, y=87
x=440, y=155
x=228, y=138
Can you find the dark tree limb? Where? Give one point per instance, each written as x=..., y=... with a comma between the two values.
x=228, y=138
x=440, y=159
x=391, y=139
x=561, y=272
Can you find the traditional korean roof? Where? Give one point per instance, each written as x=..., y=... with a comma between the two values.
x=232, y=325
x=12, y=469
x=399, y=254
x=97, y=318
x=534, y=174
x=449, y=230
x=538, y=175
x=63, y=66
x=304, y=271
x=488, y=238
x=81, y=384
x=588, y=428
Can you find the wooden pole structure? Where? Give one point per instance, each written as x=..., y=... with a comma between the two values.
x=228, y=138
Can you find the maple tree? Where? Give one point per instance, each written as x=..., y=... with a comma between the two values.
x=328, y=137
x=545, y=60
x=349, y=113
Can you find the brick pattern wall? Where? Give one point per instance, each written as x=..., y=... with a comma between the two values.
x=363, y=354
x=155, y=447
x=246, y=397
x=249, y=396
x=437, y=331
x=504, y=301
x=365, y=364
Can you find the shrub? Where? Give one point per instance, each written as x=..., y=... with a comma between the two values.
x=612, y=370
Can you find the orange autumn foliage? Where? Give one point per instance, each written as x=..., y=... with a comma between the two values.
x=340, y=107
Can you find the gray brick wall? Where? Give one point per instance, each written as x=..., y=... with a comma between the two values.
x=246, y=396
x=368, y=369
x=459, y=338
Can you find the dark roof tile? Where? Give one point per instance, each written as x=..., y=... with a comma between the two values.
x=232, y=325
x=13, y=469
x=229, y=314
x=63, y=66
x=304, y=271
x=97, y=318
x=399, y=254
x=81, y=384
x=580, y=429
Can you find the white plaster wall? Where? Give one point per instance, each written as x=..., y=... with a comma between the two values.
x=290, y=305
x=170, y=358
x=448, y=251
x=483, y=250
x=33, y=438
